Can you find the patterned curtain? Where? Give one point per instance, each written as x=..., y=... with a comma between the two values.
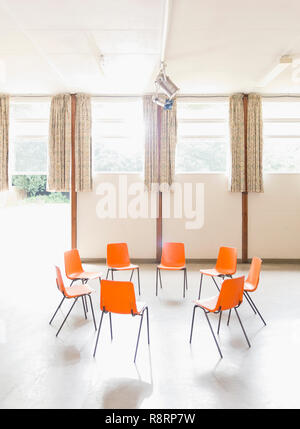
x=168, y=146
x=83, y=130
x=237, y=136
x=4, y=143
x=59, y=143
x=151, y=111
x=159, y=164
x=255, y=144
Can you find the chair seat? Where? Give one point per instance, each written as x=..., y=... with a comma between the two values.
x=213, y=273
x=84, y=276
x=209, y=304
x=129, y=267
x=76, y=291
x=249, y=287
x=164, y=267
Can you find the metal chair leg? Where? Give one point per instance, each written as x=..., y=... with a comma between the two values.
x=138, y=339
x=186, y=282
x=242, y=328
x=200, y=286
x=213, y=334
x=131, y=275
x=84, y=309
x=249, y=302
x=112, y=274
x=216, y=284
x=107, y=273
x=91, y=303
x=156, y=281
x=67, y=316
x=220, y=317
x=139, y=283
x=110, y=323
x=57, y=310
x=256, y=309
x=192, y=327
x=148, y=330
x=160, y=278
x=84, y=282
x=228, y=321
x=96, y=345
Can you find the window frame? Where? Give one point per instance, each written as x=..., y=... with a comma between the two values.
x=117, y=120
x=278, y=120
x=212, y=120
x=13, y=136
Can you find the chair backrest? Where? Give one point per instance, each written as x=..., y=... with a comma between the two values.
x=231, y=293
x=72, y=262
x=117, y=255
x=59, y=281
x=117, y=297
x=173, y=255
x=227, y=260
x=254, y=272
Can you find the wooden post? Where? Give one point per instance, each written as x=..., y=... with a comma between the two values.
x=245, y=194
x=73, y=191
x=159, y=218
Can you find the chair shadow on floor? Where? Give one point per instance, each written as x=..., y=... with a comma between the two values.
x=126, y=393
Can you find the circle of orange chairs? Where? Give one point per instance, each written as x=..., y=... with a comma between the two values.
x=172, y=259
x=230, y=297
x=74, y=292
x=119, y=298
x=118, y=260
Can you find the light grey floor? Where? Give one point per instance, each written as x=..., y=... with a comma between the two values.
x=38, y=370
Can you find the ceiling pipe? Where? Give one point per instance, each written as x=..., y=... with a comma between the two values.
x=165, y=30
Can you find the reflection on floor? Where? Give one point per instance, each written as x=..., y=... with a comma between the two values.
x=38, y=370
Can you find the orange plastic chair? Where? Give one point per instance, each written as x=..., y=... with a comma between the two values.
x=118, y=260
x=252, y=282
x=73, y=292
x=119, y=298
x=75, y=272
x=230, y=297
x=172, y=259
x=225, y=266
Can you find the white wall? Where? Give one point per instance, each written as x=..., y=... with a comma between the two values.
x=222, y=221
x=94, y=233
x=274, y=218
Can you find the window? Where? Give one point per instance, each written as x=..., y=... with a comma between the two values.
x=203, y=136
x=29, y=127
x=29, y=130
x=281, y=136
x=118, y=135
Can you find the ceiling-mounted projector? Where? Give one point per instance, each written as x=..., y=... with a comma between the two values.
x=164, y=83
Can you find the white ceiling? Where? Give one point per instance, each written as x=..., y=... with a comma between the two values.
x=213, y=46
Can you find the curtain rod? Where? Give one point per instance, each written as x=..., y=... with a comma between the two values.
x=280, y=95
x=141, y=95
x=120, y=96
